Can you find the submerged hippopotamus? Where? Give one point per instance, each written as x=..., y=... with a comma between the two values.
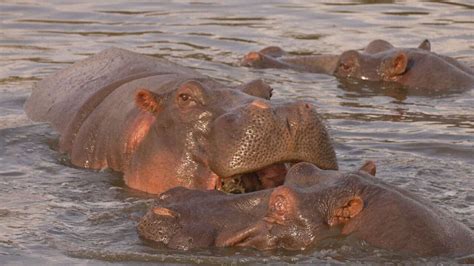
x=311, y=206
x=416, y=68
x=164, y=125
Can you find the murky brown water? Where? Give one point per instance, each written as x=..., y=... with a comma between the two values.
x=52, y=213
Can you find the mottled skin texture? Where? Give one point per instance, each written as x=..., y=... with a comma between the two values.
x=311, y=206
x=416, y=68
x=164, y=125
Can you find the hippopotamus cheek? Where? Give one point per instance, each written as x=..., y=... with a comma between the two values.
x=163, y=225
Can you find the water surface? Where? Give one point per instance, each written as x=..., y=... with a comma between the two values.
x=53, y=213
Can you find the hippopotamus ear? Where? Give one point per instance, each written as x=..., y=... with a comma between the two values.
x=147, y=100
x=425, y=45
x=396, y=65
x=346, y=211
x=273, y=51
x=257, y=88
x=281, y=205
x=369, y=167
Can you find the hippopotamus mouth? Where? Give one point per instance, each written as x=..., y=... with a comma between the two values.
x=269, y=176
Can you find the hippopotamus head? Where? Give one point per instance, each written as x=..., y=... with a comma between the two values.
x=204, y=135
x=293, y=216
x=416, y=68
x=312, y=206
x=380, y=60
x=410, y=68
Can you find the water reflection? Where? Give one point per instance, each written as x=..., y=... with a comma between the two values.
x=356, y=88
x=360, y=2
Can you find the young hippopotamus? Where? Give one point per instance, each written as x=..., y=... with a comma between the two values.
x=311, y=206
x=164, y=125
x=415, y=68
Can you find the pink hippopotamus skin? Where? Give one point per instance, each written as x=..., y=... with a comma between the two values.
x=164, y=125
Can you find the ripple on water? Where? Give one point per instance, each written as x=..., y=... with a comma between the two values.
x=52, y=212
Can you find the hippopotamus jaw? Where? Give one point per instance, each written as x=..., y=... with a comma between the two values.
x=261, y=177
x=268, y=176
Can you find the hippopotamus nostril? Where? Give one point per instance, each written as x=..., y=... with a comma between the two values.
x=288, y=124
x=253, y=56
x=292, y=126
x=261, y=104
x=304, y=106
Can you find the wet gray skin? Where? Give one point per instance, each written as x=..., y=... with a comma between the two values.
x=164, y=125
x=311, y=206
x=415, y=68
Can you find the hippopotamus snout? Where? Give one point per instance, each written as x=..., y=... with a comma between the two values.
x=261, y=134
x=167, y=222
x=295, y=116
x=160, y=224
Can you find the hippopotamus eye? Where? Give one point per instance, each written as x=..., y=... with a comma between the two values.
x=345, y=67
x=184, y=97
x=186, y=100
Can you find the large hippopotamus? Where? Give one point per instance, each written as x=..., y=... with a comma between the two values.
x=313, y=205
x=415, y=68
x=164, y=125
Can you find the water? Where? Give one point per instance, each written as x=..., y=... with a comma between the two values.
x=53, y=213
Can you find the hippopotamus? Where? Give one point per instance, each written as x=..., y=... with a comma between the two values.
x=164, y=125
x=313, y=205
x=413, y=68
